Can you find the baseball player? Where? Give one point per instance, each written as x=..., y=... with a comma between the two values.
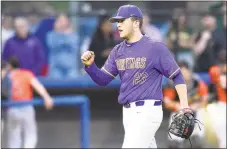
x=197, y=98
x=21, y=119
x=218, y=115
x=141, y=64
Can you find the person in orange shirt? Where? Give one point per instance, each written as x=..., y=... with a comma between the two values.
x=21, y=119
x=197, y=98
x=218, y=79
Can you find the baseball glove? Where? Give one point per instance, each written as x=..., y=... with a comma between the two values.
x=183, y=123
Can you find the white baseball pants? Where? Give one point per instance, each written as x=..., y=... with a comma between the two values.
x=140, y=125
x=21, y=122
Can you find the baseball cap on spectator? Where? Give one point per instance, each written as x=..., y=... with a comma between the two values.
x=127, y=11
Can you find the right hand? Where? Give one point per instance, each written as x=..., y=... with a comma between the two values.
x=88, y=58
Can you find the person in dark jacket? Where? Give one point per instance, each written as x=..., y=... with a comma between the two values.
x=207, y=44
x=102, y=41
x=25, y=47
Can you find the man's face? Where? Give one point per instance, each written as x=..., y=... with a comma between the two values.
x=125, y=28
x=62, y=23
x=22, y=28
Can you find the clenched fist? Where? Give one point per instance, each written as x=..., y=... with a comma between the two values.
x=88, y=58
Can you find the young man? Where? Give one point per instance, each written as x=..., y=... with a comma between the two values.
x=141, y=64
x=21, y=119
x=197, y=98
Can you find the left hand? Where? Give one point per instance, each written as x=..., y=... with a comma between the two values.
x=182, y=124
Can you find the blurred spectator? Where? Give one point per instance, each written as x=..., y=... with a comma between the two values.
x=179, y=40
x=85, y=44
x=102, y=41
x=217, y=8
x=43, y=27
x=223, y=35
x=164, y=29
x=26, y=47
x=33, y=22
x=218, y=78
x=219, y=37
x=21, y=119
x=150, y=30
x=207, y=44
x=64, y=56
x=7, y=30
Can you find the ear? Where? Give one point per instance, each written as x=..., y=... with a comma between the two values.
x=136, y=24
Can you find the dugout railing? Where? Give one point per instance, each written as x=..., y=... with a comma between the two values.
x=79, y=100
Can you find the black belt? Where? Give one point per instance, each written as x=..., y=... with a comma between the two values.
x=141, y=103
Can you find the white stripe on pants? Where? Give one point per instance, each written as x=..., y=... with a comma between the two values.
x=21, y=121
x=140, y=125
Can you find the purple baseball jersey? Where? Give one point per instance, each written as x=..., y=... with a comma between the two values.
x=141, y=66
